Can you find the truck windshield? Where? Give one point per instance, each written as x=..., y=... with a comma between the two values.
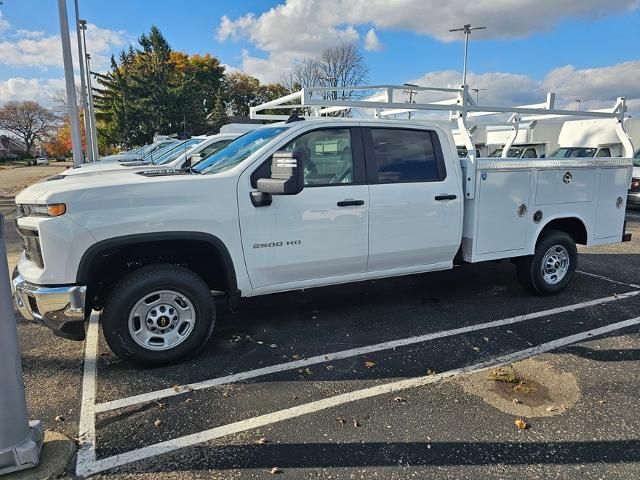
x=176, y=151
x=512, y=153
x=573, y=152
x=238, y=150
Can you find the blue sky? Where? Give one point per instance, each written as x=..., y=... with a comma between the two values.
x=529, y=47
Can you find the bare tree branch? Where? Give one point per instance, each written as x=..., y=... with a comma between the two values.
x=29, y=121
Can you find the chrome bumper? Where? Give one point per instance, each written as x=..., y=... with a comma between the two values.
x=633, y=198
x=59, y=308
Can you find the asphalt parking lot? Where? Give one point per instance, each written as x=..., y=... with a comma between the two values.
x=371, y=380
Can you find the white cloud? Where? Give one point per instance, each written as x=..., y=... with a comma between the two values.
x=36, y=49
x=298, y=28
x=4, y=24
x=372, y=42
x=39, y=90
x=595, y=87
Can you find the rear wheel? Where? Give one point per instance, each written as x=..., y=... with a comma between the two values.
x=550, y=269
x=158, y=314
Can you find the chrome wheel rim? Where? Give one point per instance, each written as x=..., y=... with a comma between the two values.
x=555, y=264
x=161, y=320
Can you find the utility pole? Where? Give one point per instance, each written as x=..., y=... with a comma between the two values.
x=467, y=29
x=74, y=118
x=477, y=91
x=83, y=86
x=410, y=91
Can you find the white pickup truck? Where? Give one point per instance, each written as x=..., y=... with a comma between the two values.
x=295, y=205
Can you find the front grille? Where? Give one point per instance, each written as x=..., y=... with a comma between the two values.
x=31, y=243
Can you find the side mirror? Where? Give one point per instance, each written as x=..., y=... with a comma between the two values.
x=287, y=175
x=192, y=160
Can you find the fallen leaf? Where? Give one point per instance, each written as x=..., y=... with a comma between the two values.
x=59, y=418
x=356, y=423
x=306, y=371
x=275, y=470
x=341, y=421
x=486, y=339
x=295, y=356
x=176, y=388
x=601, y=402
x=399, y=400
x=273, y=345
x=161, y=405
x=515, y=400
x=262, y=441
x=369, y=363
x=157, y=422
x=188, y=400
x=477, y=349
x=521, y=424
x=430, y=372
x=552, y=409
x=329, y=367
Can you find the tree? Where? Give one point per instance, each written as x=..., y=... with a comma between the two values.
x=241, y=92
x=155, y=90
x=342, y=67
x=219, y=116
x=29, y=121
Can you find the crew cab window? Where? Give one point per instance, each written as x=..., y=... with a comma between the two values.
x=530, y=153
x=603, y=153
x=214, y=147
x=405, y=155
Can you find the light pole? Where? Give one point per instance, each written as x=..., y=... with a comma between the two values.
x=467, y=29
x=579, y=102
x=81, y=26
x=478, y=90
x=74, y=118
x=410, y=90
x=92, y=113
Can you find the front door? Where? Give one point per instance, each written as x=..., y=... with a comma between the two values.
x=321, y=232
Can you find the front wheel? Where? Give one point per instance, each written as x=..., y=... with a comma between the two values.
x=158, y=314
x=550, y=269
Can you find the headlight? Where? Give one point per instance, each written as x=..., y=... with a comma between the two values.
x=50, y=210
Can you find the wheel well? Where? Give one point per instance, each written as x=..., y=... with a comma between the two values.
x=107, y=262
x=573, y=226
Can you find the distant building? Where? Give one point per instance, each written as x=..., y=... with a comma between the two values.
x=9, y=146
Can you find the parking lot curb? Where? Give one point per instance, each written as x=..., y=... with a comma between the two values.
x=57, y=452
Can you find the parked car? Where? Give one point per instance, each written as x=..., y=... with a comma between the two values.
x=61, y=158
x=41, y=161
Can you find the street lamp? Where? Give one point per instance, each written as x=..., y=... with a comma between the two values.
x=92, y=114
x=81, y=27
x=467, y=29
x=579, y=102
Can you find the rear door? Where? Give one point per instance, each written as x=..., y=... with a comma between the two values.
x=415, y=213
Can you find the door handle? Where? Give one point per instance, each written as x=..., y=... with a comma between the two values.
x=350, y=203
x=445, y=197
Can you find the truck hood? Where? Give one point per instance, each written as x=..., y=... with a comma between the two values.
x=112, y=167
x=64, y=189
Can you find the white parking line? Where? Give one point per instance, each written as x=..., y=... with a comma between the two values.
x=601, y=277
x=319, y=405
x=87, y=428
x=354, y=352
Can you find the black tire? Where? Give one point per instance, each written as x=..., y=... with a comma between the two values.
x=529, y=269
x=133, y=289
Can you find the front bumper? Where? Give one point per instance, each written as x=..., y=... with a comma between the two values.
x=59, y=308
x=633, y=198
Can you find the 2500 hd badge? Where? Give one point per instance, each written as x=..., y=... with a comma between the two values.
x=288, y=243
